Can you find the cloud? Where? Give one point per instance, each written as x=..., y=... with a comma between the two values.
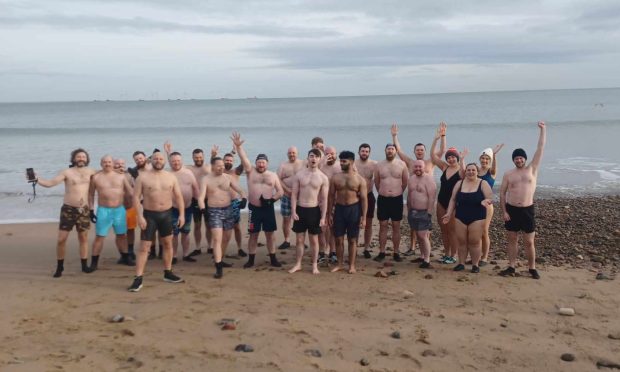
x=141, y=24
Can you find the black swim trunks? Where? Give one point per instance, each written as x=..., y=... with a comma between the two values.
x=198, y=215
x=261, y=218
x=347, y=220
x=370, y=213
x=309, y=220
x=73, y=216
x=521, y=219
x=157, y=222
x=390, y=208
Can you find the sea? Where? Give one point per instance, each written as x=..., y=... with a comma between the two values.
x=581, y=155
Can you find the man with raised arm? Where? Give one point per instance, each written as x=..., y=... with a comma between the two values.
x=216, y=189
x=348, y=198
x=264, y=189
x=517, y=202
x=420, y=205
x=419, y=151
x=157, y=189
x=74, y=211
x=391, y=181
x=111, y=188
x=190, y=190
x=309, y=204
x=366, y=168
x=286, y=172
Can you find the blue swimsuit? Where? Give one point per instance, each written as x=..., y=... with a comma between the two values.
x=489, y=178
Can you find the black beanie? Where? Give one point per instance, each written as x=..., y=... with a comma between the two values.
x=519, y=152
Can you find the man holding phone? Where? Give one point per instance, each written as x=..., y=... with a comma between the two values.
x=74, y=211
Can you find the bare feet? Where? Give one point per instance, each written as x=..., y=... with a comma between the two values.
x=352, y=270
x=337, y=268
x=315, y=270
x=294, y=269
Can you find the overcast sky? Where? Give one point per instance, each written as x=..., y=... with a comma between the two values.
x=137, y=49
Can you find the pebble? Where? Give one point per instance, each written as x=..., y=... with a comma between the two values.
x=393, y=272
x=428, y=276
x=229, y=327
x=496, y=267
x=493, y=262
x=314, y=353
x=118, y=318
x=428, y=352
x=601, y=276
x=128, y=332
x=607, y=364
x=224, y=321
x=566, y=311
x=395, y=334
x=614, y=335
x=364, y=362
x=408, y=294
x=381, y=274
x=596, y=258
x=462, y=279
x=503, y=325
x=580, y=257
x=567, y=357
x=388, y=264
x=244, y=348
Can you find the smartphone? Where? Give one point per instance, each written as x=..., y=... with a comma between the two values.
x=30, y=175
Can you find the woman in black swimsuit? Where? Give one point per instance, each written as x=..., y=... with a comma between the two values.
x=469, y=202
x=487, y=172
x=452, y=169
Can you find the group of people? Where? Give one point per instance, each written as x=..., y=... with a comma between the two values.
x=320, y=197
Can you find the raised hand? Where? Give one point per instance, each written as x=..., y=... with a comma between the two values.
x=394, y=129
x=168, y=147
x=236, y=139
x=214, y=150
x=464, y=153
x=497, y=148
x=541, y=124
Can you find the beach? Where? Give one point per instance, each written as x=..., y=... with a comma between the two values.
x=330, y=322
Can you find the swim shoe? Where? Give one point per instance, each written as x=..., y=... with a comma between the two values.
x=459, y=267
x=169, y=277
x=136, y=286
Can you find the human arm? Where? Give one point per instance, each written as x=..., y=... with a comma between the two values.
x=294, y=192
x=399, y=150
x=127, y=186
x=279, y=190
x=195, y=186
x=463, y=154
x=488, y=193
x=404, y=177
x=238, y=142
x=214, y=150
x=91, y=193
x=281, y=175
x=542, y=138
x=364, y=200
x=235, y=186
x=61, y=177
x=328, y=199
x=376, y=178
x=441, y=130
x=168, y=149
x=178, y=196
x=435, y=156
x=202, y=195
x=502, y=197
x=137, y=197
x=493, y=169
x=431, y=193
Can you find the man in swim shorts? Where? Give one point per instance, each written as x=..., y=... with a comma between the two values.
x=348, y=198
x=366, y=168
x=189, y=189
x=216, y=188
x=309, y=203
x=286, y=173
x=74, y=211
x=111, y=188
x=329, y=166
x=517, y=202
x=391, y=181
x=420, y=205
x=157, y=189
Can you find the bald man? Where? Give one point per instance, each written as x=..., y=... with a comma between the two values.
x=286, y=172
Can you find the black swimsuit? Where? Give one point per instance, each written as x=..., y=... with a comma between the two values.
x=446, y=187
x=469, y=206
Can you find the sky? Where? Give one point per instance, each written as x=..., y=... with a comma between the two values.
x=81, y=50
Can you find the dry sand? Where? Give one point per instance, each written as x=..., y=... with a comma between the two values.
x=447, y=321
